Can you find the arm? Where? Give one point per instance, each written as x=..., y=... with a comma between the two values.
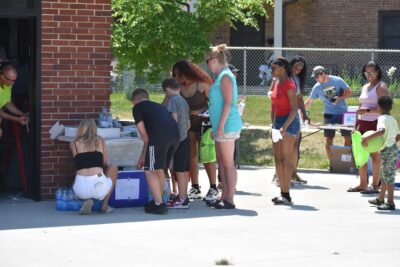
x=145, y=138
x=397, y=138
x=7, y=116
x=104, y=151
x=293, y=105
x=72, y=148
x=379, y=132
x=300, y=103
x=174, y=116
x=308, y=103
x=14, y=110
x=227, y=92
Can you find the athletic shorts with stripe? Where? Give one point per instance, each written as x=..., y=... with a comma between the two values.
x=159, y=154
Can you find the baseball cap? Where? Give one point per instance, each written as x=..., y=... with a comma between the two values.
x=233, y=68
x=317, y=71
x=3, y=55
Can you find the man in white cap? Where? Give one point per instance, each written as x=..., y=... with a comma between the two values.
x=333, y=91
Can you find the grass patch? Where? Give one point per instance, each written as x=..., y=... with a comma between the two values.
x=255, y=144
x=223, y=262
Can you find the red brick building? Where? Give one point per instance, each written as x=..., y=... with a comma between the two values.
x=325, y=23
x=68, y=53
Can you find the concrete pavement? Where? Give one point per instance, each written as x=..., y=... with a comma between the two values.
x=326, y=227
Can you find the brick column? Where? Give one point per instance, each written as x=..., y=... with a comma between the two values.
x=75, y=76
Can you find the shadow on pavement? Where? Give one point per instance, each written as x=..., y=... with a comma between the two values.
x=306, y=186
x=43, y=214
x=243, y=193
x=303, y=207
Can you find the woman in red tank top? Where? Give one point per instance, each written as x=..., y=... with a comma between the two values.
x=286, y=124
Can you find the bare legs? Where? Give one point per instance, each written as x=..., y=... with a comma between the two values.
x=111, y=172
x=155, y=179
x=284, y=166
x=211, y=168
x=225, y=151
x=363, y=171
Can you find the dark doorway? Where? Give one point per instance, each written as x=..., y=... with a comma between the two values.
x=19, y=146
x=251, y=37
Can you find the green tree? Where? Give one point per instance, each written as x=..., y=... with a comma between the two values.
x=150, y=35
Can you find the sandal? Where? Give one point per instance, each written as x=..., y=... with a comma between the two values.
x=370, y=191
x=355, y=189
x=108, y=210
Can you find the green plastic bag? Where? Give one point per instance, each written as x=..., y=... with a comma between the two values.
x=207, y=148
x=360, y=155
x=374, y=144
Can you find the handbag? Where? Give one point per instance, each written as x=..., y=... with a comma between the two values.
x=207, y=148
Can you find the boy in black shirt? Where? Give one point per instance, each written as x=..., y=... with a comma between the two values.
x=160, y=134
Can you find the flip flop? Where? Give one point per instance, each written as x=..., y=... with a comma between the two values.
x=355, y=189
x=108, y=210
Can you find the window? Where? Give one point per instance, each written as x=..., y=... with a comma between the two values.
x=389, y=29
x=17, y=4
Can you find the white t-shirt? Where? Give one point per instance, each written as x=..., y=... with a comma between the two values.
x=388, y=123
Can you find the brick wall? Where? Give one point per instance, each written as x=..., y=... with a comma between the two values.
x=328, y=23
x=75, y=76
x=339, y=23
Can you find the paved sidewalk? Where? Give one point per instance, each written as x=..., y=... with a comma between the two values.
x=326, y=227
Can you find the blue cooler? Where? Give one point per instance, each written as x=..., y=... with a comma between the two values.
x=131, y=190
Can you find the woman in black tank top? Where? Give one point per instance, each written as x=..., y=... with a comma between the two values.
x=92, y=167
x=195, y=84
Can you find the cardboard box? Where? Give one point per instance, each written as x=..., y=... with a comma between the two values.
x=341, y=160
x=131, y=190
x=106, y=133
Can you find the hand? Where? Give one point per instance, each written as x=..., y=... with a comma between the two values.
x=212, y=135
x=364, y=142
x=220, y=131
x=141, y=161
x=23, y=120
x=283, y=132
x=361, y=111
x=337, y=100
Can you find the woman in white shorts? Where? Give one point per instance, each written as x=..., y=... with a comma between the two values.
x=95, y=179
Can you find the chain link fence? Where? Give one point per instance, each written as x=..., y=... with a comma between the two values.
x=254, y=76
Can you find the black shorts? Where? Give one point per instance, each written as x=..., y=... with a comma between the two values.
x=159, y=154
x=334, y=119
x=182, y=156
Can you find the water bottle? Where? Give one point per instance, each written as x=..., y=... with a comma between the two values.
x=241, y=106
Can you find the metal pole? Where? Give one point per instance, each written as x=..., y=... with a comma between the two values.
x=278, y=27
x=245, y=71
x=372, y=55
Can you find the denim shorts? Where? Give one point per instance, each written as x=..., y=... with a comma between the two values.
x=292, y=129
x=227, y=137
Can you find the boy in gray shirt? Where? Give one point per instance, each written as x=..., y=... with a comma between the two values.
x=179, y=110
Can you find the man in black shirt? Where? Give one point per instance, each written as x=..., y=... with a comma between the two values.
x=160, y=134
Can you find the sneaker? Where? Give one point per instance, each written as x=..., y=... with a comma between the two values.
x=177, y=203
x=156, y=209
x=296, y=179
x=376, y=202
x=275, y=181
x=224, y=205
x=212, y=203
x=386, y=206
x=211, y=194
x=87, y=207
x=194, y=193
x=281, y=201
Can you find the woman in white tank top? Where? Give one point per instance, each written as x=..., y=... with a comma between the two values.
x=367, y=119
